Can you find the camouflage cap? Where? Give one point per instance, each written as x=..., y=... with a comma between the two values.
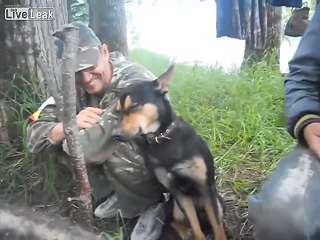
x=89, y=47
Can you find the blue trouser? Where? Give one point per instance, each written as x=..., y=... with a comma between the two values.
x=288, y=207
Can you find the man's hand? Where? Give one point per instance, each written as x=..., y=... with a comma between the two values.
x=88, y=116
x=312, y=137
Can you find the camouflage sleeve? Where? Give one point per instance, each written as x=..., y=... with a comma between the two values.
x=96, y=141
x=38, y=130
x=91, y=139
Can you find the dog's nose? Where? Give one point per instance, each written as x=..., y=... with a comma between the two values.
x=117, y=133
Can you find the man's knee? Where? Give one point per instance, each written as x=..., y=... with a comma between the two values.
x=134, y=185
x=282, y=209
x=100, y=185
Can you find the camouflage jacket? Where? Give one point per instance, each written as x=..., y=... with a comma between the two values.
x=96, y=141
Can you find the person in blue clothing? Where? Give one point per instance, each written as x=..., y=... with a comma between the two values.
x=288, y=206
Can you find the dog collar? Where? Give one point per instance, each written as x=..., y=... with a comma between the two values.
x=156, y=138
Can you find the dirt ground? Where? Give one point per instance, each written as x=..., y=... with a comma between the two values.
x=237, y=227
x=236, y=224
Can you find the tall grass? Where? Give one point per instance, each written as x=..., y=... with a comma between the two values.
x=20, y=171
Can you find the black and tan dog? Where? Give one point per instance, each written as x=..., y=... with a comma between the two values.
x=179, y=158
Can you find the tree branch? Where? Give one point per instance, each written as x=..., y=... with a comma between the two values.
x=70, y=36
x=66, y=103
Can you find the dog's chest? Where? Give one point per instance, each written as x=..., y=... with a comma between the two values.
x=166, y=155
x=161, y=161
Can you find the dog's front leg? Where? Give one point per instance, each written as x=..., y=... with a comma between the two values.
x=187, y=207
x=211, y=205
x=178, y=222
x=181, y=229
x=185, y=203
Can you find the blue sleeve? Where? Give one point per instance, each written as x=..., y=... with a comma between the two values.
x=302, y=84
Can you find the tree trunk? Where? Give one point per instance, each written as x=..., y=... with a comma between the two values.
x=108, y=21
x=70, y=16
x=273, y=42
x=22, y=41
x=274, y=16
x=251, y=55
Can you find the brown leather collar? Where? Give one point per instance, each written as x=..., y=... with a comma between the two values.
x=156, y=138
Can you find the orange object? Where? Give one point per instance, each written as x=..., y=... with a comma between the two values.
x=36, y=114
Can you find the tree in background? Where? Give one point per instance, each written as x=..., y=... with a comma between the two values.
x=296, y=21
x=108, y=21
x=21, y=42
x=272, y=16
x=78, y=10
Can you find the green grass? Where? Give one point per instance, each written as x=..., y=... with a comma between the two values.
x=20, y=172
x=240, y=115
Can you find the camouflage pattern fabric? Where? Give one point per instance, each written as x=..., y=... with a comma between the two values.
x=123, y=164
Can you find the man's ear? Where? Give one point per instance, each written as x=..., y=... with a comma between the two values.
x=164, y=80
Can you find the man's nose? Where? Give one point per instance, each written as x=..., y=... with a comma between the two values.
x=86, y=76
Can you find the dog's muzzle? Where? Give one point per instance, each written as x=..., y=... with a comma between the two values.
x=123, y=136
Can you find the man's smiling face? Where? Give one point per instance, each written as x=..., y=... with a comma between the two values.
x=97, y=78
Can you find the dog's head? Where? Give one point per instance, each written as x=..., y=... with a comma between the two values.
x=143, y=107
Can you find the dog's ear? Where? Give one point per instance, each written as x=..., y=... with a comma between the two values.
x=164, y=80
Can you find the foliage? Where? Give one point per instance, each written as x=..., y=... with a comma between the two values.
x=20, y=172
x=79, y=10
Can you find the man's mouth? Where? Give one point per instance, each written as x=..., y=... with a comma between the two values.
x=91, y=83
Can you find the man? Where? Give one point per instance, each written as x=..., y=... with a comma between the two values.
x=115, y=170
x=288, y=207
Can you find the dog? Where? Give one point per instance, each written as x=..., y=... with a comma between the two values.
x=179, y=158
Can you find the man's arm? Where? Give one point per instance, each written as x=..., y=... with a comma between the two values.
x=302, y=85
x=45, y=132
x=96, y=141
